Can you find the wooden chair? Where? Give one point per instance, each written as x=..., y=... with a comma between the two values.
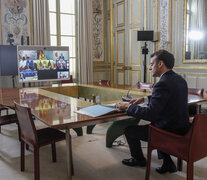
x=2, y=108
x=194, y=109
x=35, y=138
x=104, y=83
x=190, y=147
x=195, y=91
x=8, y=118
x=67, y=81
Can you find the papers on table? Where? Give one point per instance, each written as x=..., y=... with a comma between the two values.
x=96, y=110
x=110, y=105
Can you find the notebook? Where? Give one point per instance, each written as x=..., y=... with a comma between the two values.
x=97, y=110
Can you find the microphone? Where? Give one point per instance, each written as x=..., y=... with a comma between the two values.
x=128, y=98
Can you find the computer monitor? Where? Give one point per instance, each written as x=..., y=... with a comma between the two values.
x=8, y=60
x=42, y=63
x=145, y=35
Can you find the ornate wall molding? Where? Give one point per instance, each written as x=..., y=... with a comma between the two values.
x=164, y=24
x=15, y=21
x=98, y=31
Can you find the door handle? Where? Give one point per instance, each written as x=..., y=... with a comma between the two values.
x=126, y=68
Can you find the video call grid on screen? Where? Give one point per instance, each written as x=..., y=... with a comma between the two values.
x=40, y=63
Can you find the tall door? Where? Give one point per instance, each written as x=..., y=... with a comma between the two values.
x=128, y=18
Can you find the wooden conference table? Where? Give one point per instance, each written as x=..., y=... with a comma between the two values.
x=57, y=110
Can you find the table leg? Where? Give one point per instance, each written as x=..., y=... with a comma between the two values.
x=198, y=109
x=69, y=155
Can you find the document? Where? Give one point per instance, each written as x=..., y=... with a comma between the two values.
x=97, y=110
x=110, y=105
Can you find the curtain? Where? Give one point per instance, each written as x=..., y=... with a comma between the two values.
x=85, y=41
x=41, y=25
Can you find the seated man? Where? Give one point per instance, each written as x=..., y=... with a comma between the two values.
x=167, y=109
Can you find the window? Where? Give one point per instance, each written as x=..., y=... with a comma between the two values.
x=63, y=28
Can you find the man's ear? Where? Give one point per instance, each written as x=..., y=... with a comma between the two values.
x=160, y=64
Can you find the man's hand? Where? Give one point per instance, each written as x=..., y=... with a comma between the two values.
x=122, y=105
x=137, y=101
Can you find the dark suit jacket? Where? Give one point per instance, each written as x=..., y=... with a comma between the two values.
x=168, y=105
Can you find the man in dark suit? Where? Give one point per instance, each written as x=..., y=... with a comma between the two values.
x=167, y=109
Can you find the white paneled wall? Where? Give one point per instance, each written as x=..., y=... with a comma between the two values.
x=135, y=77
x=202, y=82
x=196, y=80
x=121, y=77
x=191, y=80
x=99, y=75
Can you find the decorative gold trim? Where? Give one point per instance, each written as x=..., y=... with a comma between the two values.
x=185, y=61
x=104, y=26
x=191, y=67
x=31, y=22
x=95, y=70
x=117, y=72
x=176, y=36
x=153, y=8
x=117, y=33
x=102, y=67
x=196, y=61
x=76, y=39
x=112, y=42
x=145, y=14
x=139, y=11
x=139, y=75
x=108, y=41
x=200, y=74
x=130, y=47
x=58, y=22
x=119, y=4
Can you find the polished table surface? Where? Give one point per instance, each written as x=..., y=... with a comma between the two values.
x=55, y=110
x=196, y=99
x=58, y=111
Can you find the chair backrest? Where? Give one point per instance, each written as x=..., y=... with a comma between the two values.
x=142, y=85
x=198, y=146
x=26, y=124
x=195, y=91
x=104, y=83
x=68, y=81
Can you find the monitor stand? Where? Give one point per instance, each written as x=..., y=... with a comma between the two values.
x=29, y=84
x=13, y=81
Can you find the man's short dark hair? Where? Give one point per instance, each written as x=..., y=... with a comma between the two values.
x=166, y=57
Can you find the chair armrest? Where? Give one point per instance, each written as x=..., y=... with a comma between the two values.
x=154, y=129
x=168, y=142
